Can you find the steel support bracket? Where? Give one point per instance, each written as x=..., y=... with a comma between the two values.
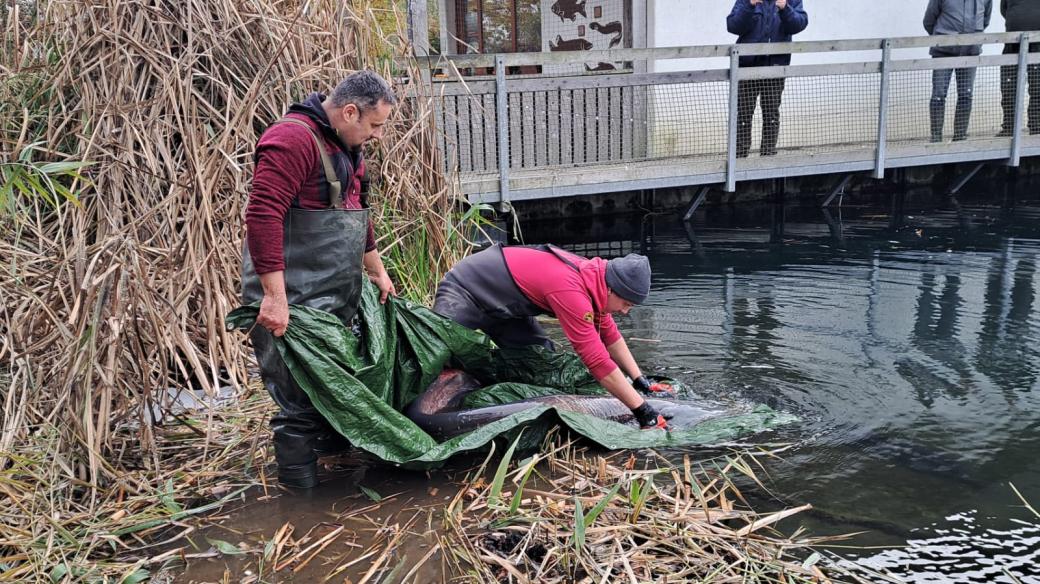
x=839, y=189
x=964, y=180
x=696, y=202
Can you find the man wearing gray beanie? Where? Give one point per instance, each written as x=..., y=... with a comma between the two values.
x=500, y=291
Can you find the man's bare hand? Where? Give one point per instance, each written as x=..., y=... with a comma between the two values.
x=274, y=314
x=755, y=2
x=385, y=285
x=781, y=4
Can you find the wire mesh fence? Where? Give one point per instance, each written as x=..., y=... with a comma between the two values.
x=687, y=120
x=944, y=105
x=828, y=114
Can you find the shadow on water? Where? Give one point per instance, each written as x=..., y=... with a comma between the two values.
x=903, y=330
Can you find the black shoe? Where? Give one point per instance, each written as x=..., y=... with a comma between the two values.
x=960, y=138
x=768, y=152
x=298, y=476
x=1004, y=133
x=331, y=444
x=742, y=154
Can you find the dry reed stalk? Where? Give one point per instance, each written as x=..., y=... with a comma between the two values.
x=108, y=302
x=597, y=519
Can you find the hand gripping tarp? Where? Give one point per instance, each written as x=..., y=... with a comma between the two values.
x=360, y=383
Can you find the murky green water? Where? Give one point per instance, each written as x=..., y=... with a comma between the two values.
x=906, y=334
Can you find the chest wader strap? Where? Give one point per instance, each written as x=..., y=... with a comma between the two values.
x=335, y=188
x=552, y=249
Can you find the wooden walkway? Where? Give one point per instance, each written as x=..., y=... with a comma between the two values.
x=527, y=137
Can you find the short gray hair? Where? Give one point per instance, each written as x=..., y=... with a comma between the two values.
x=365, y=89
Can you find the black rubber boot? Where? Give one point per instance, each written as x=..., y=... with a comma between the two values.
x=297, y=462
x=961, y=118
x=331, y=443
x=298, y=476
x=770, y=135
x=1008, y=83
x=297, y=424
x=937, y=116
x=743, y=139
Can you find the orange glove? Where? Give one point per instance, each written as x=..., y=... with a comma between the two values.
x=657, y=389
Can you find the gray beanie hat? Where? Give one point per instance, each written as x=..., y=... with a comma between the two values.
x=629, y=277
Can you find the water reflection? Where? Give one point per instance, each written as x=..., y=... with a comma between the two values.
x=903, y=332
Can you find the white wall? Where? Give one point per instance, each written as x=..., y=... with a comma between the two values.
x=703, y=22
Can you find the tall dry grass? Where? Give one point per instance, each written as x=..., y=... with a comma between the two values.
x=119, y=266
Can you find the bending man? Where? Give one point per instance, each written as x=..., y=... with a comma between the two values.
x=500, y=290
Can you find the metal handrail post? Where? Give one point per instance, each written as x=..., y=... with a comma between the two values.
x=502, y=119
x=1020, y=100
x=882, y=132
x=731, y=139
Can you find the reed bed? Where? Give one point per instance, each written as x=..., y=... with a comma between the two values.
x=126, y=134
x=567, y=516
x=52, y=532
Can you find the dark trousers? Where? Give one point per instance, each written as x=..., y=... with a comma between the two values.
x=1008, y=88
x=749, y=93
x=965, y=90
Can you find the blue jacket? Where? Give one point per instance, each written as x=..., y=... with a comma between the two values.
x=763, y=23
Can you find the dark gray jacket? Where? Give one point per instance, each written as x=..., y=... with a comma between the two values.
x=957, y=17
x=1021, y=14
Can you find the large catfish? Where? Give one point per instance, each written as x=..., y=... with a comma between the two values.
x=439, y=410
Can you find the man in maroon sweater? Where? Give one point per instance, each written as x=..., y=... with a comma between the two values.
x=309, y=240
x=289, y=174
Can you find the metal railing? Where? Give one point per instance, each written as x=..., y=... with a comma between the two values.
x=526, y=136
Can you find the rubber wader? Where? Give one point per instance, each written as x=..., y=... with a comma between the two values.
x=479, y=292
x=323, y=269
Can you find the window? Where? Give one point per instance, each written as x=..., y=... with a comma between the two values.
x=498, y=26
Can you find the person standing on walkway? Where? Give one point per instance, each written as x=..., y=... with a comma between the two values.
x=1020, y=15
x=501, y=289
x=954, y=17
x=763, y=21
x=309, y=240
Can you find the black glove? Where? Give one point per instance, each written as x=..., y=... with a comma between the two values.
x=657, y=389
x=648, y=417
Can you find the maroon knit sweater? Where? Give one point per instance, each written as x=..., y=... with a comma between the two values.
x=288, y=173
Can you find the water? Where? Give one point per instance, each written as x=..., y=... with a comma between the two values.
x=905, y=334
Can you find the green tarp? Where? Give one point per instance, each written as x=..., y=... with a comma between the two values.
x=361, y=382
